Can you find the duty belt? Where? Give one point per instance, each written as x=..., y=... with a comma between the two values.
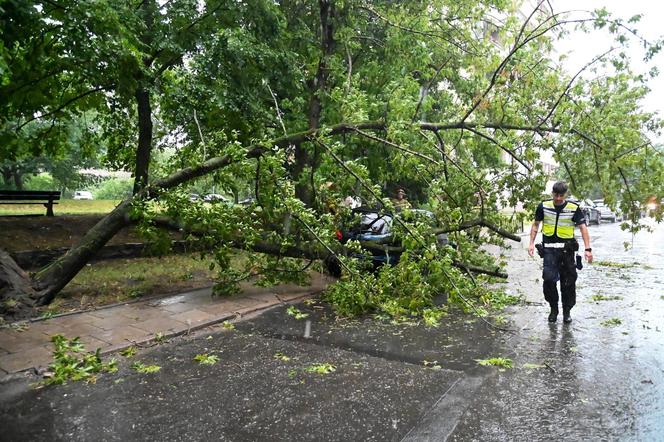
x=554, y=245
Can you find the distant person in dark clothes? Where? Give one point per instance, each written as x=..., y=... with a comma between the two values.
x=400, y=202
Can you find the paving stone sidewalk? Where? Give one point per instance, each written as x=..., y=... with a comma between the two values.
x=120, y=326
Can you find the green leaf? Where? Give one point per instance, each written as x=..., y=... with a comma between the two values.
x=206, y=359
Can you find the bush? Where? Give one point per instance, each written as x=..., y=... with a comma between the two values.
x=43, y=181
x=113, y=189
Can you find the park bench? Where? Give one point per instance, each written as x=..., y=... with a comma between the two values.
x=45, y=197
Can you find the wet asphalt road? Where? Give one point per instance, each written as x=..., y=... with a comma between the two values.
x=599, y=378
x=591, y=380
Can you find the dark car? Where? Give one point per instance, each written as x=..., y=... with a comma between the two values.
x=591, y=212
x=373, y=226
x=605, y=212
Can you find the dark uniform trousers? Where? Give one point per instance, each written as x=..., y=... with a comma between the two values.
x=559, y=264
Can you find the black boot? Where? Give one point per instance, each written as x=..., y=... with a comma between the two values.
x=553, y=316
x=567, y=318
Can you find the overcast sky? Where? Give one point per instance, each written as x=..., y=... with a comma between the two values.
x=582, y=48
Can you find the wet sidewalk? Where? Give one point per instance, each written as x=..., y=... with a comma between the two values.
x=116, y=327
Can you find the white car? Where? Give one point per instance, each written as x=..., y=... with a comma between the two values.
x=215, y=197
x=82, y=195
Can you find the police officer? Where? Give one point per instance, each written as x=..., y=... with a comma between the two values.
x=559, y=218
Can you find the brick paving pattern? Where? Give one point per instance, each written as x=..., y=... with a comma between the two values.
x=117, y=327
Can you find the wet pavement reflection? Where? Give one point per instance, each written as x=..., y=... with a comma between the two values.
x=599, y=378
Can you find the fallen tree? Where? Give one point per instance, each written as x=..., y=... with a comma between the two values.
x=366, y=101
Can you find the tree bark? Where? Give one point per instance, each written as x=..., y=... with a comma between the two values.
x=16, y=293
x=6, y=175
x=49, y=281
x=304, y=161
x=18, y=178
x=144, y=148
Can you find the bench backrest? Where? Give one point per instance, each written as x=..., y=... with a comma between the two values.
x=29, y=195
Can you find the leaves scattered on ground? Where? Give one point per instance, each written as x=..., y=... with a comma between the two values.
x=72, y=363
x=142, y=368
x=206, y=359
x=598, y=297
x=296, y=312
x=47, y=314
x=619, y=265
x=20, y=326
x=129, y=352
x=434, y=365
x=323, y=368
x=282, y=357
x=613, y=322
x=432, y=316
x=227, y=325
x=530, y=366
x=496, y=362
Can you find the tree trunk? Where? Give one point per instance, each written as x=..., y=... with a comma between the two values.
x=49, y=281
x=304, y=161
x=18, y=178
x=6, y=176
x=144, y=149
x=148, y=11
x=16, y=293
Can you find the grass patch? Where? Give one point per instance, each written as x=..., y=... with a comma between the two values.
x=115, y=281
x=64, y=207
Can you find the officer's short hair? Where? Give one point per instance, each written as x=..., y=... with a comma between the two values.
x=560, y=188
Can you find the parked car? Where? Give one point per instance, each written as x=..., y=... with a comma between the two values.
x=375, y=226
x=604, y=211
x=215, y=197
x=590, y=211
x=82, y=195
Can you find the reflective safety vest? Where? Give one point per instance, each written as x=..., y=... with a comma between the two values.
x=559, y=224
